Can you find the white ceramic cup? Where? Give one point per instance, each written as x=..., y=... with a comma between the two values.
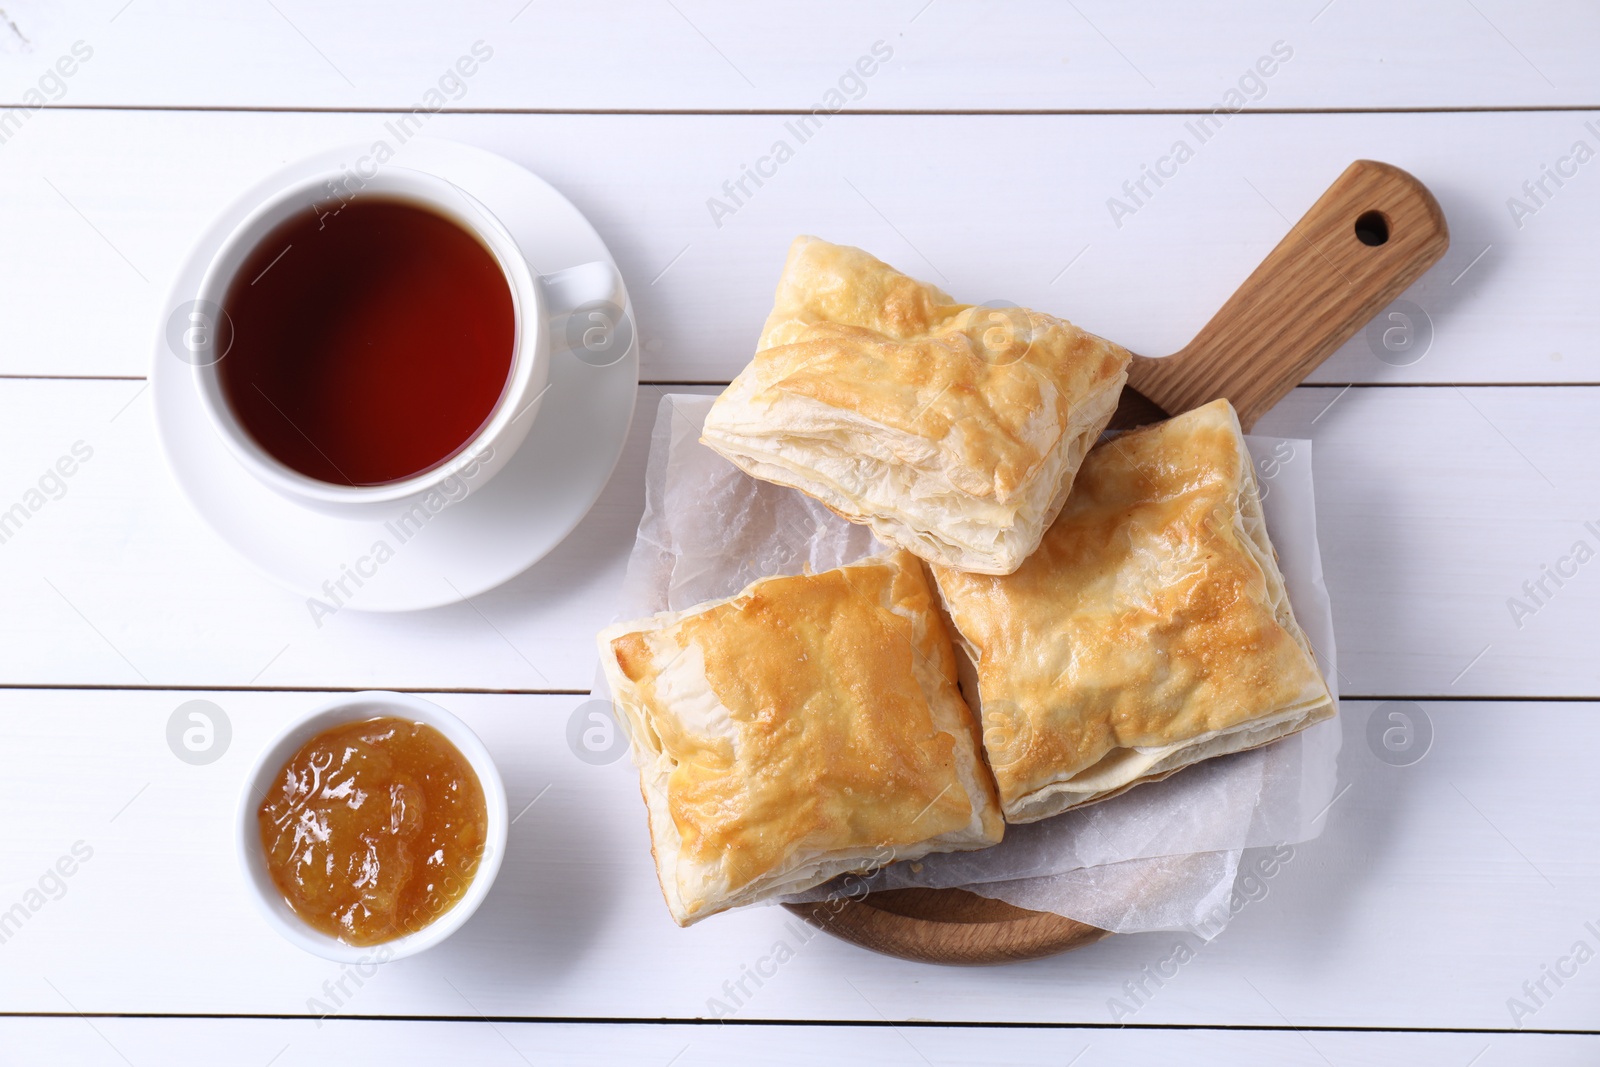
x=358, y=707
x=537, y=302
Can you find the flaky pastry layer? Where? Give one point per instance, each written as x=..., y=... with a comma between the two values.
x=1151, y=630
x=806, y=727
x=952, y=431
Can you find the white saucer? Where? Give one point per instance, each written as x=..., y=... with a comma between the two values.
x=473, y=545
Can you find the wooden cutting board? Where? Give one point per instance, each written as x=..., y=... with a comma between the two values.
x=1367, y=238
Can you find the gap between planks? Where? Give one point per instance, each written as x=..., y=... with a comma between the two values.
x=921, y=1024
x=864, y=112
x=1344, y=698
x=708, y=384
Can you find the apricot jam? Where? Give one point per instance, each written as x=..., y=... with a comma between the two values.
x=374, y=829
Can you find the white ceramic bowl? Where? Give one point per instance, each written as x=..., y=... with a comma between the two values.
x=356, y=707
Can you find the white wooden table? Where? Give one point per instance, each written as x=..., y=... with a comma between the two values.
x=981, y=153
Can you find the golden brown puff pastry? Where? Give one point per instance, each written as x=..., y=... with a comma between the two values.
x=951, y=430
x=1150, y=631
x=806, y=727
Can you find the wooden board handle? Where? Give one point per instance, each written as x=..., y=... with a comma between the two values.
x=1369, y=236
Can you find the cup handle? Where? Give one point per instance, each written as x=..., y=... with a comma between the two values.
x=589, y=297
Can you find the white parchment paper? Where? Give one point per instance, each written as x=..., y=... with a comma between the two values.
x=1160, y=857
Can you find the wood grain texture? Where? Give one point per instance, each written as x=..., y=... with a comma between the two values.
x=1355, y=251
x=949, y=926
x=1134, y=409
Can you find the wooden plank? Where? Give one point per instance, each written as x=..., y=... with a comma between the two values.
x=121, y=549
x=1441, y=514
x=698, y=54
x=1364, y=927
x=102, y=207
x=118, y=582
x=286, y=1043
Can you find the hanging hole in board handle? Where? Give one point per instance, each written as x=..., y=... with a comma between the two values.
x=1372, y=228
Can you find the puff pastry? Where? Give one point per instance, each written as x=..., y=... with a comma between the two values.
x=806, y=727
x=1150, y=631
x=951, y=430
